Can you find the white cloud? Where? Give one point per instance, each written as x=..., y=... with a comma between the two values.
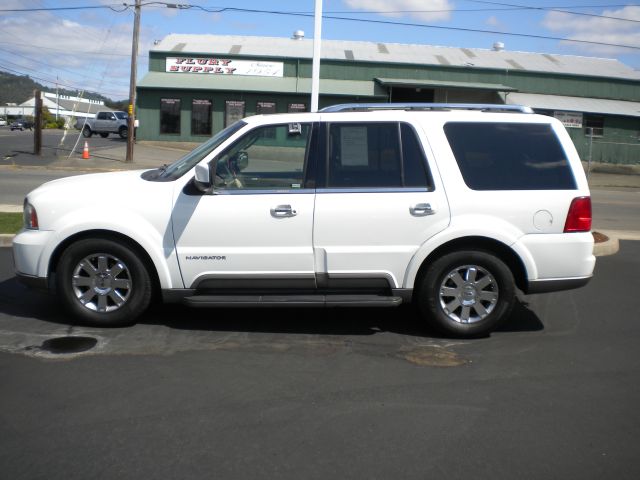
x=597, y=29
x=93, y=56
x=427, y=10
x=494, y=22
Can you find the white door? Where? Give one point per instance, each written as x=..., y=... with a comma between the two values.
x=379, y=204
x=256, y=228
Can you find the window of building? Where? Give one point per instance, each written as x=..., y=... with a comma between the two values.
x=266, y=108
x=170, y=115
x=509, y=156
x=234, y=111
x=594, y=126
x=201, y=117
x=370, y=155
x=269, y=157
x=297, y=107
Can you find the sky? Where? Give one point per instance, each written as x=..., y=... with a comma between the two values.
x=88, y=46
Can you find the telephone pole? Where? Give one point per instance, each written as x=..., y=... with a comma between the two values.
x=132, y=82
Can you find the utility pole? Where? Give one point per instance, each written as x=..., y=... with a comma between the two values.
x=132, y=82
x=317, y=42
x=37, y=134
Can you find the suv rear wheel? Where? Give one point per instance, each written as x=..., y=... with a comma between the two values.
x=103, y=282
x=467, y=293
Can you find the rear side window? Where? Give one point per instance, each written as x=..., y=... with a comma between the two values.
x=375, y=155
x=509, y=156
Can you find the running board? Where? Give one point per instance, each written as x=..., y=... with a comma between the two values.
x=282, y=301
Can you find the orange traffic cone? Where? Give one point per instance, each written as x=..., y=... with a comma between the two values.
x=85, y=152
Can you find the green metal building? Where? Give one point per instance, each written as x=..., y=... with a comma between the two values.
x=198, y=84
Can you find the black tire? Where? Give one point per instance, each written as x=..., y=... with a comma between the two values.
x=104, y=134
x=86, y=132
x=123, y=132
x=103, y=283
x=466, y=294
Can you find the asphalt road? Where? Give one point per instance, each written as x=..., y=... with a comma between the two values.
x=12, y=144
x=326, y=393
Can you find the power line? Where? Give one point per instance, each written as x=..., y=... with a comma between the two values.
x=123, y=8
x=403, y=24
x=72, y=87
x=560, y=10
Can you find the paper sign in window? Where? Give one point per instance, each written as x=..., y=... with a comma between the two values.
x=353, y=146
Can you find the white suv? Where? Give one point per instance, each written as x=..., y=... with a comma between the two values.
x=452, y=207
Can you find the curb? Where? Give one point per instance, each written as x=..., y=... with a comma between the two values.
x=6, y=240
x=610, y=247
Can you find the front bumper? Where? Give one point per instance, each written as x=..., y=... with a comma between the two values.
x=31, y=253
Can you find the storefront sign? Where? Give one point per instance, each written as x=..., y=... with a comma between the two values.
x=569, y=119
x=218, y=66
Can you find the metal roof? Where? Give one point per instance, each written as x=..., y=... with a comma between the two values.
x=274, y=47
x=575, y=104
x=260, y=84
x=404, y=82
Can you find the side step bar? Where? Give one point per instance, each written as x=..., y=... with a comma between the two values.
x=283, y=301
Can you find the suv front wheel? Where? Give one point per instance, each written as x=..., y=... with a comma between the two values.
x=467, y=293
x=103, y=282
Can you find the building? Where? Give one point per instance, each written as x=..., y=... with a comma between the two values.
x=67, y=107
x=198, y=84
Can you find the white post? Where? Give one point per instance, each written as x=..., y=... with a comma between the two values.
x=317, y=41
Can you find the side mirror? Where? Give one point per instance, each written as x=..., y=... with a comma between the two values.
x=202, y=178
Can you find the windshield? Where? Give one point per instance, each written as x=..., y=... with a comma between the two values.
x=121, y=115
x=186, y=163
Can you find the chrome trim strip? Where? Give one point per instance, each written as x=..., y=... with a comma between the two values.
x=374, y=190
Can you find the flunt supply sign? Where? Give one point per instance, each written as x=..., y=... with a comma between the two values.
x=218, y=66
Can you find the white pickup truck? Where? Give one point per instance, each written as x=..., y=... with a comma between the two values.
x=105, y=123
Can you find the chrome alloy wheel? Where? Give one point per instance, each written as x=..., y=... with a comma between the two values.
x=468, y=294
x=101, y=282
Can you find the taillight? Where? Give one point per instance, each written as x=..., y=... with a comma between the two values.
x=579, y=216
x=30, y=216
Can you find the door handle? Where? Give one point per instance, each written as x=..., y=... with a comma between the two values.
x=282, y=211
x=421, y=210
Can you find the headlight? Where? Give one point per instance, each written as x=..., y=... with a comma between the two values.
x=29, y=216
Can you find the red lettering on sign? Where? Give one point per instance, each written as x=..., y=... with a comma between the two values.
x=202, y=61
x=191, y=61
x=230, y=70
x=217, y=70
x=196, y=69
x=225, y=62
x=185, y=69
x=173, y=68
x=207, y=69
x=213, y=61
x=180, y=60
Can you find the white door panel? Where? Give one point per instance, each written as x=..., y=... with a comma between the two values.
x=239, y=235
x=375, y=234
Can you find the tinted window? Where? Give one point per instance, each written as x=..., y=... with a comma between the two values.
x=375, y=155
x=364, y=155
x=270, y=157
x=415, y=174
x=170, y=115
x=509, y=156
x=201, y=117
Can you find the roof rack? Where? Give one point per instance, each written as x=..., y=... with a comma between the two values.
x=364, y=107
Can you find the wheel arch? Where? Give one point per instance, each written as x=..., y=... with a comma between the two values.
x=108, y=235
x=485, y=244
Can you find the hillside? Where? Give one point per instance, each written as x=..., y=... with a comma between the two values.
x=17, y=89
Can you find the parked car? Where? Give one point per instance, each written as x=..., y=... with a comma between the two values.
x=21, y=124
x=105, y=123
x=3, y=122
x=451, y=207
